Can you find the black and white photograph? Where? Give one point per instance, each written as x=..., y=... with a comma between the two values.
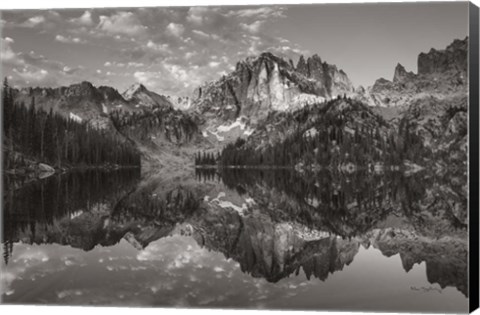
x=280, y=157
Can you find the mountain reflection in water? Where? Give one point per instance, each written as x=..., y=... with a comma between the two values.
x=265, y=234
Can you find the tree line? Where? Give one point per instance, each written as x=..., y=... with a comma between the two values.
x=206, y=158
x=32, y=134
x=337, y=132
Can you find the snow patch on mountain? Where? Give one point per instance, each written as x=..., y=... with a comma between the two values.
x=219, y=137
x=240, y=122
x=229, y=131
x=104, y=109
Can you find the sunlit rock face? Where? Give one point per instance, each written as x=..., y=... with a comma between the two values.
x=270, y=83
x=139, y=96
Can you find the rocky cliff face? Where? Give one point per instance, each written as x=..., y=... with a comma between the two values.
x=331, y=82
x=441, y=74
x=430, y=105
x=270, y=83
x=401, y=75
x=454, y=58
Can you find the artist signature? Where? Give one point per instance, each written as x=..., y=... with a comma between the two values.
x=426, y=289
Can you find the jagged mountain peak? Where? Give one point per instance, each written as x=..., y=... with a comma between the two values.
x=268, y=82
x=333, y=82
x=265, y=57
x=84, y=84
x=110, y=94
x=401, y=74
x=441, y=74
x=133, y=89
x=139, y=96
x=454, y=58
x=83, y=88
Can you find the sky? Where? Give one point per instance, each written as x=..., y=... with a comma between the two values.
x=173, y=50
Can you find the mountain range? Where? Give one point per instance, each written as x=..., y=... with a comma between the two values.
x=433, y=101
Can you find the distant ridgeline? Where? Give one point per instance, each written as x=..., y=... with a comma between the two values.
x=33, y=135
x=337, y=132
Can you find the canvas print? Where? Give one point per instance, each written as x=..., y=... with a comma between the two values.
x=309, y=156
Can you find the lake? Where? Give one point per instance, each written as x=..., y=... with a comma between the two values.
x=239, y=238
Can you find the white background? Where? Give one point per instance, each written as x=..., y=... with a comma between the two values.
x=57, y=310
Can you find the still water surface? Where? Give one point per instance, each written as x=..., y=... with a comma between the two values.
x=238, y=239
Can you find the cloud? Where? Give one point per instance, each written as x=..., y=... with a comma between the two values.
x=196, y=15
x=135, y=64
x=178, y=72
x=85, y=19
x=173, y=79
x=252, y=28
x=34, y=69
x=147, y=78
x=167, y=49
x=259, y=13
x=213, y=64
x=114, y=64
x=201, y=34
x=175, y=29
x=31, y=75
x=69, y=40
x=121, y=23
x=7, y=55
x=33, y=21
x=190, y=54
x=158, y=47
x=70, y=71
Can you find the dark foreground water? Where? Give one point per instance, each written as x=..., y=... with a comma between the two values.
x=240, y=239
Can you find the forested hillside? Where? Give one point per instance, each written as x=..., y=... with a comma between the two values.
x=33, y=135
x=334, y=133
